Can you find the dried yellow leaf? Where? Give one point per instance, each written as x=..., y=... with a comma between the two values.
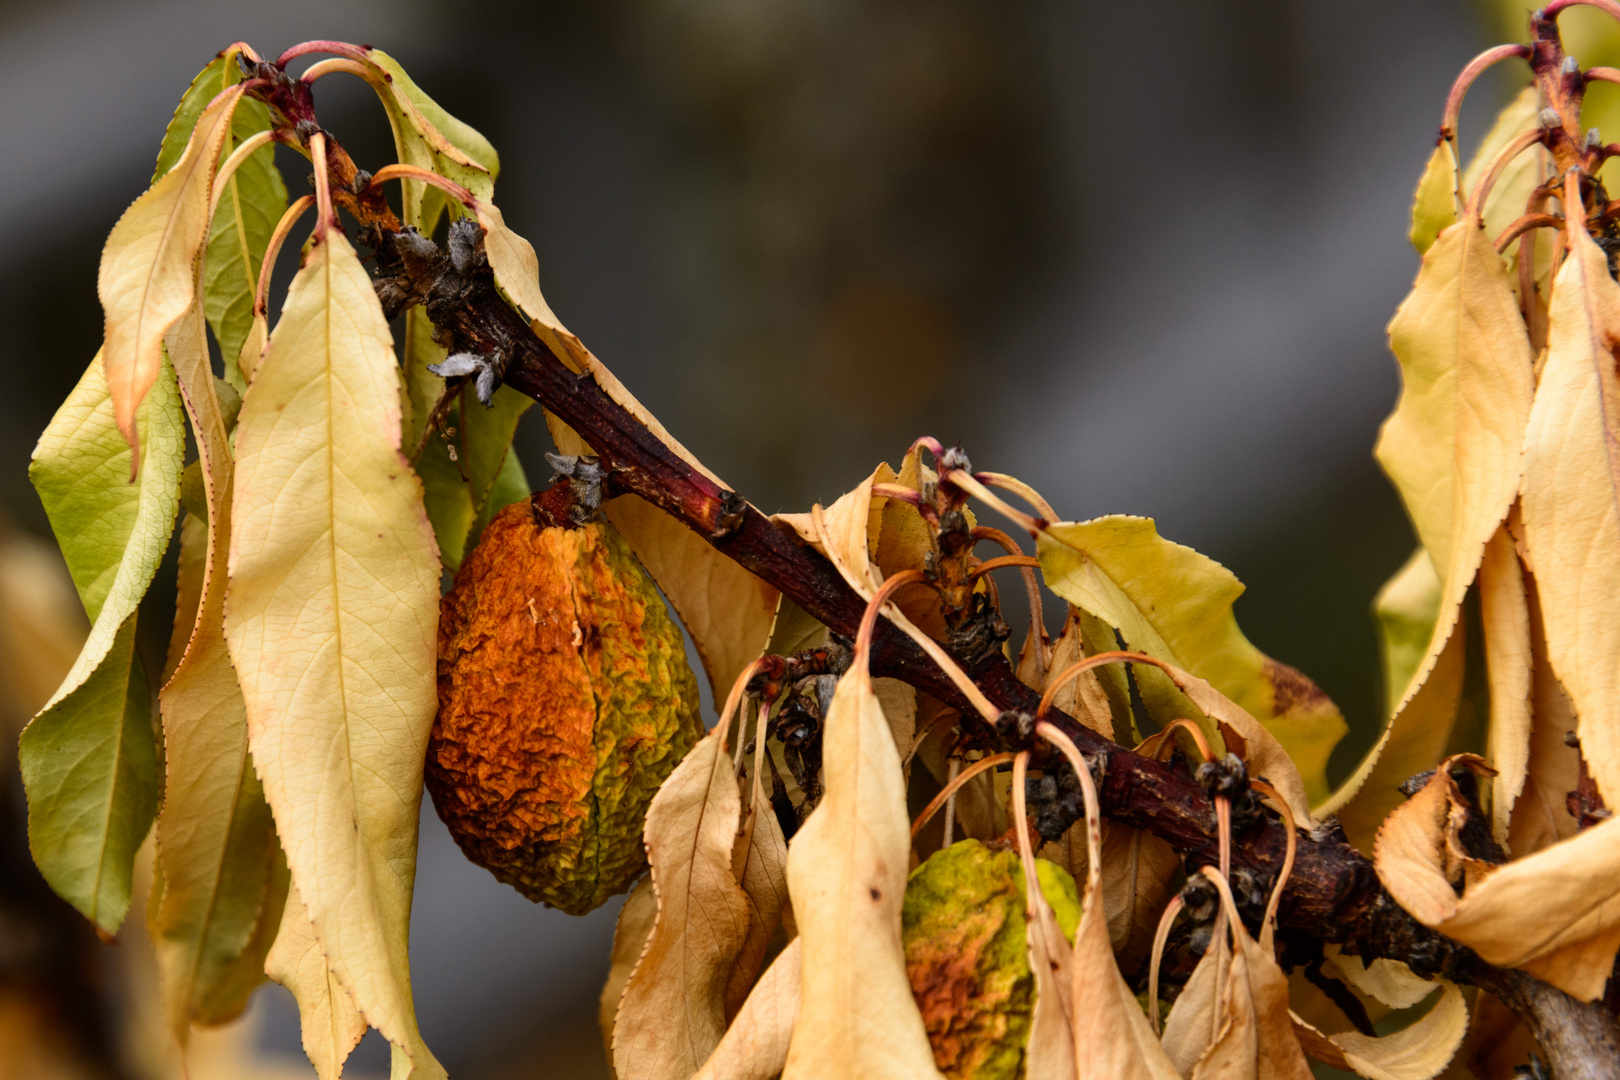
x=331, y=617
x=847, y=878
x=215, y=840
x=1555, y=913
x=727, y=610
x=630, y=936
x=147, y=278
x=330, y=1024
x=1505, y=613
x=1541, y=815
x=672, y=1013
x=1417, y=1052
x=1054, y=1039
x=755, y=1046
x=1452, y=448
x=1571, y=501
x=1112, y=1037
x=759, y=859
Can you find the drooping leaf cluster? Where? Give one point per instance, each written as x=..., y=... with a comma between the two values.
x=806, y=925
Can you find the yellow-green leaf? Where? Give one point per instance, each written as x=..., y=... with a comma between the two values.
x=847, y=877
x=215, y=842
x=147, y=278
x=89, y=759
x=1571, y=501
x=89, y=766
x=111, y=532
x=331, y=1025
x=430, y=138
x=1452, y=448
x=1434, y=203
x=249, y=207
x=331, y=618
x=1406, y=608
x=253, y=200
x=672, y=1013
x=1176, y=605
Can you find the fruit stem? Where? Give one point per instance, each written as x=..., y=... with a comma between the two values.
x=1553, y=9
x=1465, y=79
x=1482, y=190
x=955, y=785
x=1293, y=845
x=261, y=298
x=1524, y=225
x=1160, y=936
x=1021, y=489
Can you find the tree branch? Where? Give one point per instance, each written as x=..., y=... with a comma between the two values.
x=1333, y=895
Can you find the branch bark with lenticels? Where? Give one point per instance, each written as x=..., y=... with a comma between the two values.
x=1333, y=895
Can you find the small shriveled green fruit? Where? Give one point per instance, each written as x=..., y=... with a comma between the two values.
x=565, y=700
x=962, y=923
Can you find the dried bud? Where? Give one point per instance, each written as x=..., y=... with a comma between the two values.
x=565, y=700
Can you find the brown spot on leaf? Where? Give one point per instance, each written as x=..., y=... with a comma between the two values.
x=1292, y=690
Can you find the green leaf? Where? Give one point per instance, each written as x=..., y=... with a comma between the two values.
x=236, y=983
x=112, y=532
x=462, y=494
x=427, y=136
x=486, y=439
x=444, y=489
x=1174, y=604
x=253, y=201
x=1434, y=203
x=1407, y=608
x=222, y=71
x=89, y=766
x=511, y=484
x=89, y=758
x=449, y=507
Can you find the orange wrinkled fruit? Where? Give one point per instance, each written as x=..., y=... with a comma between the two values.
x=565, y=700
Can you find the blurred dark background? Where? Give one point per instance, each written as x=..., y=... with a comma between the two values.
x=1141, y=256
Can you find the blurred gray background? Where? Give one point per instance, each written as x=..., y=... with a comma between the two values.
x=1139, y=255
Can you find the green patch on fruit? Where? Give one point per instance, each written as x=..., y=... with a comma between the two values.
x=963, y=928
